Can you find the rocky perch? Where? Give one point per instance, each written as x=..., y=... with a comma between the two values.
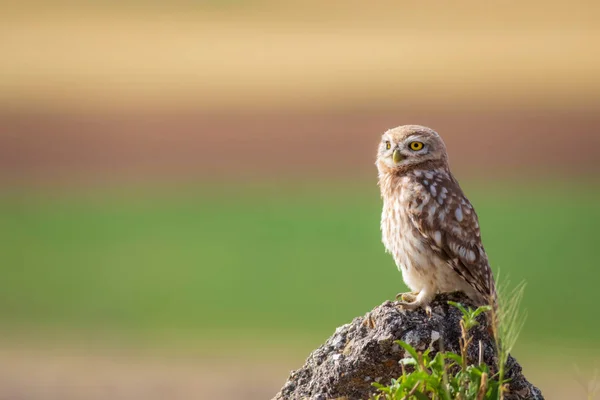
x=363, y=352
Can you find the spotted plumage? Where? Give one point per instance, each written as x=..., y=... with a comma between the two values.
x=428, y=225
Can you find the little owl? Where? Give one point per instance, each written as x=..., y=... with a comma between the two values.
x=427, y=223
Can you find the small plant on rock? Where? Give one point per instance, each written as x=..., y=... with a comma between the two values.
x=447, y=376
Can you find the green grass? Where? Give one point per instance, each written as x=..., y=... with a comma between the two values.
x=199, y=263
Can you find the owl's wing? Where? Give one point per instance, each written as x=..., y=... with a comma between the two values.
x=448, y=223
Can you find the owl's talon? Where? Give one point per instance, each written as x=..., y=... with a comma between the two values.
x=409, y=297
x=414, y=305
x=428, y=311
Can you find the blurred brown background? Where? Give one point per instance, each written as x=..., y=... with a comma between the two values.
x=116, y=96
x=148, y=90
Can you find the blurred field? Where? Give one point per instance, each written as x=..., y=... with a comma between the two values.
x=265, y=55
x=276, y=259
x=276, y=267
x=58, y=149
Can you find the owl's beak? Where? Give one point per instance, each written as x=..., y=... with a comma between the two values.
x=396, y=156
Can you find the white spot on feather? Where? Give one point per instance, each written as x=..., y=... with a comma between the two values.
x=442, y=215
x=471, y=256
x=437, y=236
x=458, y=214
x=432, y=210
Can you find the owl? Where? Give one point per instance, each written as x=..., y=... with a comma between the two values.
x=428, y=225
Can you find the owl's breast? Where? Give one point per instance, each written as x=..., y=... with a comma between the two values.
x=402, y=239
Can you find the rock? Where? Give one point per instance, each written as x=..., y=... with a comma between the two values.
x=364, y=351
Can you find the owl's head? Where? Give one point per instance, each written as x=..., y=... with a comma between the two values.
x=409, y=147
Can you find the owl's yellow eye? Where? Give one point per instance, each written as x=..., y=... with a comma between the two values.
x=416, y=146
x=388, y=145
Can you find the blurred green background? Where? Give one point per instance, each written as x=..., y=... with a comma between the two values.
x=188, y=197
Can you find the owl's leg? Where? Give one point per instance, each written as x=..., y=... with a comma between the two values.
x=408, y=297
x=422, y=300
